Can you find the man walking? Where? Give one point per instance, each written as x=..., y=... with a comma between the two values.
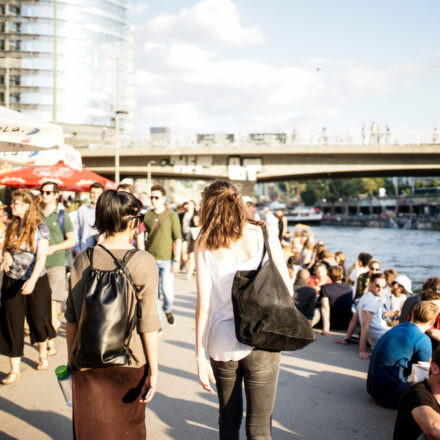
x=61, y=238
x=84, y=219
x=165, y=244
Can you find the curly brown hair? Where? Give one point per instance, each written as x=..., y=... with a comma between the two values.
x=16, y=237
x=223, y=215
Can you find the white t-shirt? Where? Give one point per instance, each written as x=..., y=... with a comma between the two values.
x=378, y=327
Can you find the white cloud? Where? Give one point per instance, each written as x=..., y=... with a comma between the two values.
x=137, y=9
x=208, y=21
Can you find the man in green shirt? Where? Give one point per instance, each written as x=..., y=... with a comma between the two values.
x=61, y=238
x=165, y=244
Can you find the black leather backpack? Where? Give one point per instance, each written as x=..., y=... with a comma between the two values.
x=264, y=312
x=105, y=325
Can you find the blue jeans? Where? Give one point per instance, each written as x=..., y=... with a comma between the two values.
x=166, y=287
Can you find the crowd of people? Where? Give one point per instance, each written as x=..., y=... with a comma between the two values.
x=393, y=327
x=46, y=264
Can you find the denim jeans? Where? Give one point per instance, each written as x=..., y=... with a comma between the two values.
x=166, y=287
x=259, y=370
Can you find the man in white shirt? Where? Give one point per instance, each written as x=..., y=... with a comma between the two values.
x=369, y=313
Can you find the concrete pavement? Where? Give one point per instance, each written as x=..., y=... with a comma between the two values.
x=321, y=392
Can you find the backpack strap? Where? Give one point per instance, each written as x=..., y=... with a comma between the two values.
x=121, y=264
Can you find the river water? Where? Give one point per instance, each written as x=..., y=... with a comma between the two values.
x=410, y=252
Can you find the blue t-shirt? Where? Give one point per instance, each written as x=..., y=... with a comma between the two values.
x=391, y=362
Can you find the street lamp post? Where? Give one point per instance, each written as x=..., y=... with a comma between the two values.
x=117, y=114
x=151, y=162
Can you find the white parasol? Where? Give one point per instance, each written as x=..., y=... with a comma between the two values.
x=19, y=132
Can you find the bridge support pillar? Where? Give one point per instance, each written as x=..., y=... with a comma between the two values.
x=246, y=187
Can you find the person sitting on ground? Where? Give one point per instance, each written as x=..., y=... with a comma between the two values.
x=363, y=279
x=386, y=298
x=419, y=409
x=305, y=297
x=395, y=353
x=321, y=278
x=369, y=314
x=399, y=288
x=336, y=299
x=360, y=266
x=293, y=267
x=430, y=292
x=341, y=260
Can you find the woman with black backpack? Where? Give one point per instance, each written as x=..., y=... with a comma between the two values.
x=112, y=326
x=230, y=241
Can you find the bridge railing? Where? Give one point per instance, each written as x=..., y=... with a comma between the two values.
x=313, y=138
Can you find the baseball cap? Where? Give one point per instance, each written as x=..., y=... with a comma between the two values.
x=404, y=281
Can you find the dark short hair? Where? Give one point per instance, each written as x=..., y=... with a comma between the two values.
x=429, y=295
x=294, y=260
x=436, y=356
x=377, y=276
x=432, y=285
x=56, y=188
x=114, y=210
x=158, y=187
x=336, y=273
x=364, y=258
x=96, y=185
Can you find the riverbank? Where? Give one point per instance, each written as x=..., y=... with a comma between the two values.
x=321, y=392
x=374, y=222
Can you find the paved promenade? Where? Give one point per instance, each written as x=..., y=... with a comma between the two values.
x=321, y=392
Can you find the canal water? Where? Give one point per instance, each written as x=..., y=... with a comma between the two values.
x=410, y=252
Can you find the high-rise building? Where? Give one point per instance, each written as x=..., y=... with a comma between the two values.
x=67, y=60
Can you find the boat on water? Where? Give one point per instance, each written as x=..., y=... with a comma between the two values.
x=303, y=214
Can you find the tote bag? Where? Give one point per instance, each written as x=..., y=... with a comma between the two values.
x=264, y=312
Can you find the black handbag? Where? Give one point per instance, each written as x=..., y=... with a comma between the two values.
x=264, y=312
x=106, y=324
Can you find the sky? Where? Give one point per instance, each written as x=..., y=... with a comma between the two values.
x=230, y=66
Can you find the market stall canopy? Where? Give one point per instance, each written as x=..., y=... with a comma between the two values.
x=64, y=153
x=19, y=132
x=68, y=178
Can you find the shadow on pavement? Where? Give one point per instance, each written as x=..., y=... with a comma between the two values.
x=52, y=424
x=5, y=436
x=185, y=419
x=181, y=344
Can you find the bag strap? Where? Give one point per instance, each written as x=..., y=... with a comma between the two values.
x=61, y=215
x=266, y=247
x=156, y=227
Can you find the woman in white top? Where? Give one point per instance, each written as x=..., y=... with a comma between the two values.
x=229, y=241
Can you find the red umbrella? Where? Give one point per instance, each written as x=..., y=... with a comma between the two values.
x=68, y=178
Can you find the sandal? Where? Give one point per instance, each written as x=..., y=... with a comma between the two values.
x=52, y=351
x=11, y=378
x=43, y=364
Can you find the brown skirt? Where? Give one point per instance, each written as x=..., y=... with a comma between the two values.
x=106, y=403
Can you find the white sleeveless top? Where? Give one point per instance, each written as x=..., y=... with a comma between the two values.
x=220, y=339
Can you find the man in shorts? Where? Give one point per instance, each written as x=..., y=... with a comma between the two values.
x=61, y=238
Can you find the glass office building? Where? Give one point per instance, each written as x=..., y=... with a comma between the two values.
x=67, y=60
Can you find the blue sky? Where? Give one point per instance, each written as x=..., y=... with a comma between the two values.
x=252, y=65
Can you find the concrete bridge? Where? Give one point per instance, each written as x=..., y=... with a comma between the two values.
x=258, y=163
